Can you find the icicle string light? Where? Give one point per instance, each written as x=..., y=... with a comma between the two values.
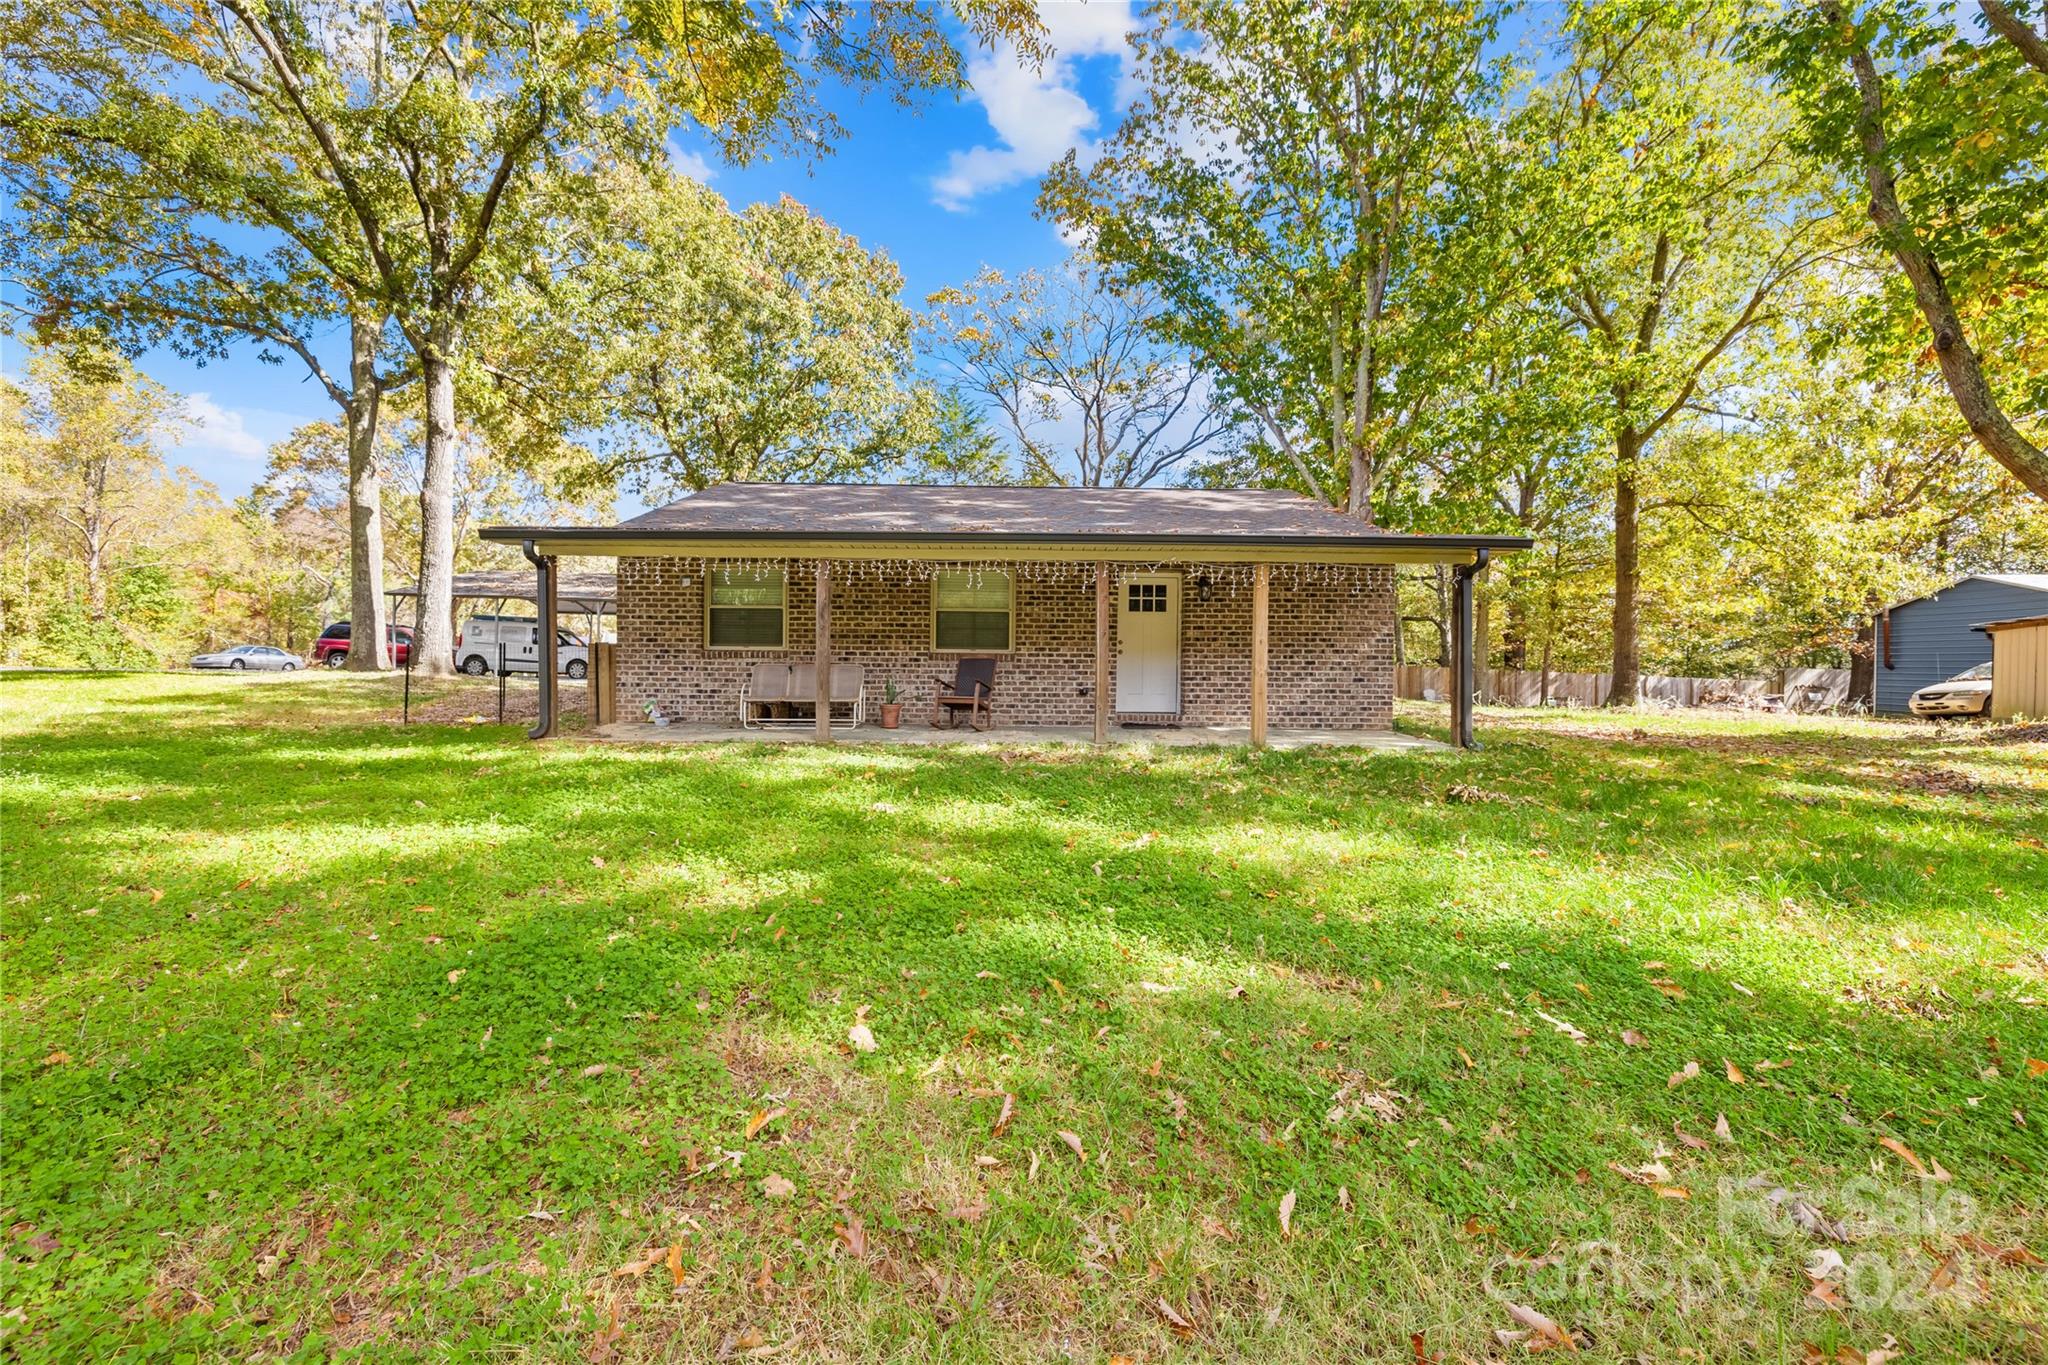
x=1228, y=578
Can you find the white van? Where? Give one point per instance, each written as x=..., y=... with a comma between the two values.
x=476, y=648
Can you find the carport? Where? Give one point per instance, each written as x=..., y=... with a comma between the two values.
x=592, y=596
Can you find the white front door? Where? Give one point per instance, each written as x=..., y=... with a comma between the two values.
x=1148, y=644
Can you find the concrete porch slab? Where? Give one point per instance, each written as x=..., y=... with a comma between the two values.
x=643, y=732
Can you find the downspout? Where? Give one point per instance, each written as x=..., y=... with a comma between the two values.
x=544, y=608
x=1461, y=710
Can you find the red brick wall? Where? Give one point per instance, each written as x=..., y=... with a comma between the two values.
x=1330, y=660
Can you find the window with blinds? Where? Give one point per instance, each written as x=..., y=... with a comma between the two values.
x=972, y=612
x=746, y=609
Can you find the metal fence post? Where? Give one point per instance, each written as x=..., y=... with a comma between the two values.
x=501, y=682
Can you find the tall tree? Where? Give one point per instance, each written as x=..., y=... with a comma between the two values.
x=681, y=344
x=1076, y=369
x=136, y=209
x=1947, y=134
x=1665, y=208
x=1273, y=185
x=87, y=433
x=404, y=145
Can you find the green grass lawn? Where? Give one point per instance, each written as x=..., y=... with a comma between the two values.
x=326, y=1036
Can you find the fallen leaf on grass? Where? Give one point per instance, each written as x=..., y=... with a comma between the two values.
x=1561, y=1026
x=2036, y=1068
x=1650, y=1173
x=862, y=1037
x=1682, y=1075
x=777, y=1186
x=1721, y=1130
x=1073, y=1141
x=1287, y=1214
x=2012, y=1255
x=1823, y=1268
x=1344, y=1198
x=58, y=1058
x=595, y=1069
x=762, y=1118
x=1634, y=1039
x=1905, y=1154
x=457, y=975
x=600, y=1348
x=637, y=1268
x=1005, y=1114
x=1735, y=1076
x=854, y=1235
x=1697, y=1144
x=1544, y=1334
x=1180, y=1326
x=675, y=1264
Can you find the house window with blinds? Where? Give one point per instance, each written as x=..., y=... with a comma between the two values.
x=972, y=612
x=746, y=609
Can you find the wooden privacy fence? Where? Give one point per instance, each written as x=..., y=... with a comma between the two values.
x=1804, y=689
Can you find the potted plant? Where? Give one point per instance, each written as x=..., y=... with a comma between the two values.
x=892, y=709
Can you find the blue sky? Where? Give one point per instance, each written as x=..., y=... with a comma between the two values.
x=943, y=188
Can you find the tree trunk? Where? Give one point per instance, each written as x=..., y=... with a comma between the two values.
x=95, y=581
x=1960, y=366
x=1482, y=635
x=1863, y=666
x=370, y=620
x=1627, y=450
x=1514, y=635
x=2033, y=46
x=1443, y=617
x=434, y=649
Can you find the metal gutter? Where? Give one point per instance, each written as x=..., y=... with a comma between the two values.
x=544, y=602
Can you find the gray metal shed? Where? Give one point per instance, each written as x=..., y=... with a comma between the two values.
x=1931, y=639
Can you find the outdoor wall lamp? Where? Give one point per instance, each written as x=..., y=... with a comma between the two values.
x=1202, y=588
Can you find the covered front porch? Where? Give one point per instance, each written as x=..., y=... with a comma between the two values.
x=1163, y=616
x=1023, y=736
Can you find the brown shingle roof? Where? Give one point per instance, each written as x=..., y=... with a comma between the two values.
x=947, y=510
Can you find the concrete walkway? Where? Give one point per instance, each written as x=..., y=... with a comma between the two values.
x=920, y=733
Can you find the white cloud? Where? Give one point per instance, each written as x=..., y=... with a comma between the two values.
x=692, y=165
x=1038, y=115
x=223, y=429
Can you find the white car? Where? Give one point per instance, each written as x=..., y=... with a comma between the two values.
x=240, y=657
x=478, y=648
x=1968, y=693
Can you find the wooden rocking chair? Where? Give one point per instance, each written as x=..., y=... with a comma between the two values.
x=972, y=682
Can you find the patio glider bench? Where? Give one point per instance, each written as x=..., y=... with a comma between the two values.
x=777, y=695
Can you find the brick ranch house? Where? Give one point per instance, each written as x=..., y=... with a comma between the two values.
x=1101, y=607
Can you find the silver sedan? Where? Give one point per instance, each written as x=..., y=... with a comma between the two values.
x=249, y=656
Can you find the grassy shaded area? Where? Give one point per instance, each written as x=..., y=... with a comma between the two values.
x=323, y=1034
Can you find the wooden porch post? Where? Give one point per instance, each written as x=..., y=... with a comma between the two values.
x=824, y=652
x=1101, y=653
x=1261, y=586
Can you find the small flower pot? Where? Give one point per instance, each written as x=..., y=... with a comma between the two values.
x=892, y=714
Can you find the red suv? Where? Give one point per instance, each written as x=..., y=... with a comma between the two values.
x=332, y=646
